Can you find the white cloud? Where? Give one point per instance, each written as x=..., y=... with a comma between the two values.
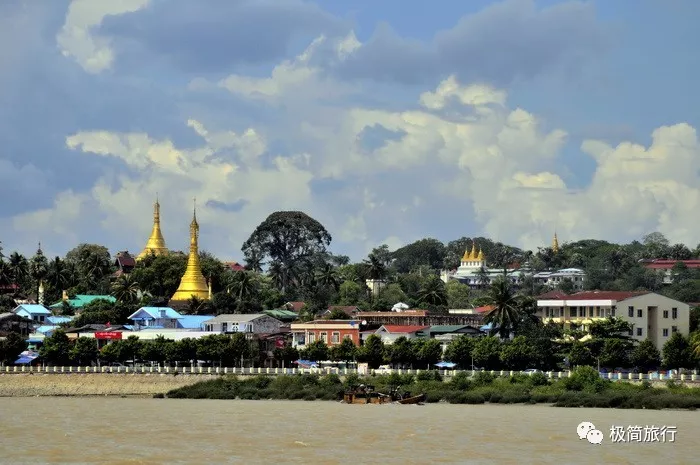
x=499, y=160
x=76, y=38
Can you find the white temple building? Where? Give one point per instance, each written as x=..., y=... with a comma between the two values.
x=474, y=272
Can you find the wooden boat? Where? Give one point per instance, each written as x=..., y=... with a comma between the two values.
x=413, y=400
x=367, y=395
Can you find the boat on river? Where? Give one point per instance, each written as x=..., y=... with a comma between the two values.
x=365, y=394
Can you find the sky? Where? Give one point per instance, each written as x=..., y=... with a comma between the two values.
x=385, y=121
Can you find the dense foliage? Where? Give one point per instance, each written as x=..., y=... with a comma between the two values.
x=584, y=388
x=292, y=249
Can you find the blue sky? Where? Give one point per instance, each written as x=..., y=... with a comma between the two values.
x=386, y=121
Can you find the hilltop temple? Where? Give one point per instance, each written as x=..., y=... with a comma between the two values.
x=193, y=283
x=156, y=243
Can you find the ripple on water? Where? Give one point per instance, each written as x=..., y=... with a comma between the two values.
x=155, y=431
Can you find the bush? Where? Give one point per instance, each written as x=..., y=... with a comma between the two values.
x=460, y=382
x=585, y=379
x=483, y=378
x=429, y=375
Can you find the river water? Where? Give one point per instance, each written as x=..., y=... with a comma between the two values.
x=172, y=431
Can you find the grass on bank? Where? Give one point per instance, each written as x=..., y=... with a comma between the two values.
x=584, y=388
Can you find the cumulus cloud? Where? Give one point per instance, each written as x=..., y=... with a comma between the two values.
x=450, y=158
x=78, y=39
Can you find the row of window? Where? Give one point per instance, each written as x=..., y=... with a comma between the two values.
x=335, y=337
x=664, y=331
x=640, y=313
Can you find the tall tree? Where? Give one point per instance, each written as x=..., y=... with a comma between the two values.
x=507, y=311
x=288, y=238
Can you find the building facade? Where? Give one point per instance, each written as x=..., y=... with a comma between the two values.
x=651, y=315
x=390, y=333
x=255, y=323
x=332, y=332
x=665, y=267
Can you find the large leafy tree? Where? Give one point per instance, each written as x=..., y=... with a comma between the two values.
x=287, y=239
x=94, y=265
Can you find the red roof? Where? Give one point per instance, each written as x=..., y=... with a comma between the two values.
x=484, y=309
x=294, y=306
x=553, y=295
x=660, y=264
x=403, y=329
x=234, y=266
x=604, y=295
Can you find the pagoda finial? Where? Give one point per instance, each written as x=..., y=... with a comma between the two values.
x=473, y=255
x=156, y=242
x=555, y=243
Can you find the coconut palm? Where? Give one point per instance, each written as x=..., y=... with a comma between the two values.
x=507, y=310
x=19, y=268
x=327, y=275
x=125, y=289
x=433, y=292
x=375, y=267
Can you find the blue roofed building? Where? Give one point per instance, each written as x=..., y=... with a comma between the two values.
x=36, y=313
x=57, y=320
x=166, y=318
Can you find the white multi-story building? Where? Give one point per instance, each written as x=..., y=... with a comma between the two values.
x=651, y=315
x=555, y=278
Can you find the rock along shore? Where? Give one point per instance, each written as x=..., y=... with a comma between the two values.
x=93, y=384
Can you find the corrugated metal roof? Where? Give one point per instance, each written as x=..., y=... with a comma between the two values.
x=193, y=321
x=237, y=317
x=446, y=328
x=34, y=309
x=57, y=320
x=156, y=313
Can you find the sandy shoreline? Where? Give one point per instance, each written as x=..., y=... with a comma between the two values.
x=93, y=384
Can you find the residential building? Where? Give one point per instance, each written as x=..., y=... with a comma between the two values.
x=166, y=318
x=665, y=267
x=390, y=333
x=294, y=306
x=81, y=300
x=651, y=315
x=416, y=317
x=555, y=278
x=37, y=313
x=446, y=333
x=256, y=323
x=332, y=332
x=349, y=310
x=11, y=322
x=286, y=316
x=124, y=263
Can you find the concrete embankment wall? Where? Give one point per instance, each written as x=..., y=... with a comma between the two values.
x=93, y=384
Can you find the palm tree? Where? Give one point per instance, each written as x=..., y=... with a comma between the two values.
x=433, y=292
x=695, y=344
x=375, y=267
x=19, y=268
x=507, y=312
x=125, y=289
x=328, y=276
x=243, y=287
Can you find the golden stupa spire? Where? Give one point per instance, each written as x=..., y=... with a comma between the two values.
x=193, y=283
x=156, y=243
x=480, y=257
x=555, y=243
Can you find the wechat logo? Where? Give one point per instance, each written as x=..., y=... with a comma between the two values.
x=587, y=430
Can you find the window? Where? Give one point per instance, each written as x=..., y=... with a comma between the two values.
x=582, y=311
x=572, y=311
x=665, y=332
x=224, y=327
x=630, y=332
x=674, y=329
x=639, y=313
x=597, y=311
x=613, y=311
x=324, y=337
x=335, y=337
x=639, y=331
x=674, y=313
x=630, y=312
x=665, y=313
x=312, y=338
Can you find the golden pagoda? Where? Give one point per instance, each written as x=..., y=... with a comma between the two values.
x=193, y=283
x=480, y=257
x=156, y=243
x=555, y=243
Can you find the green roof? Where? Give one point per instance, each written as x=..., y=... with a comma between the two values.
x=446, y=328
x=281, y=314
x=81, y=300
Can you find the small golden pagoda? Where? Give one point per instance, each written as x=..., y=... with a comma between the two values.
x=156, y=243
x=555, y=243
x=193, y=283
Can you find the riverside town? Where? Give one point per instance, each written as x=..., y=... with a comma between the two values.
x=585, y=323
